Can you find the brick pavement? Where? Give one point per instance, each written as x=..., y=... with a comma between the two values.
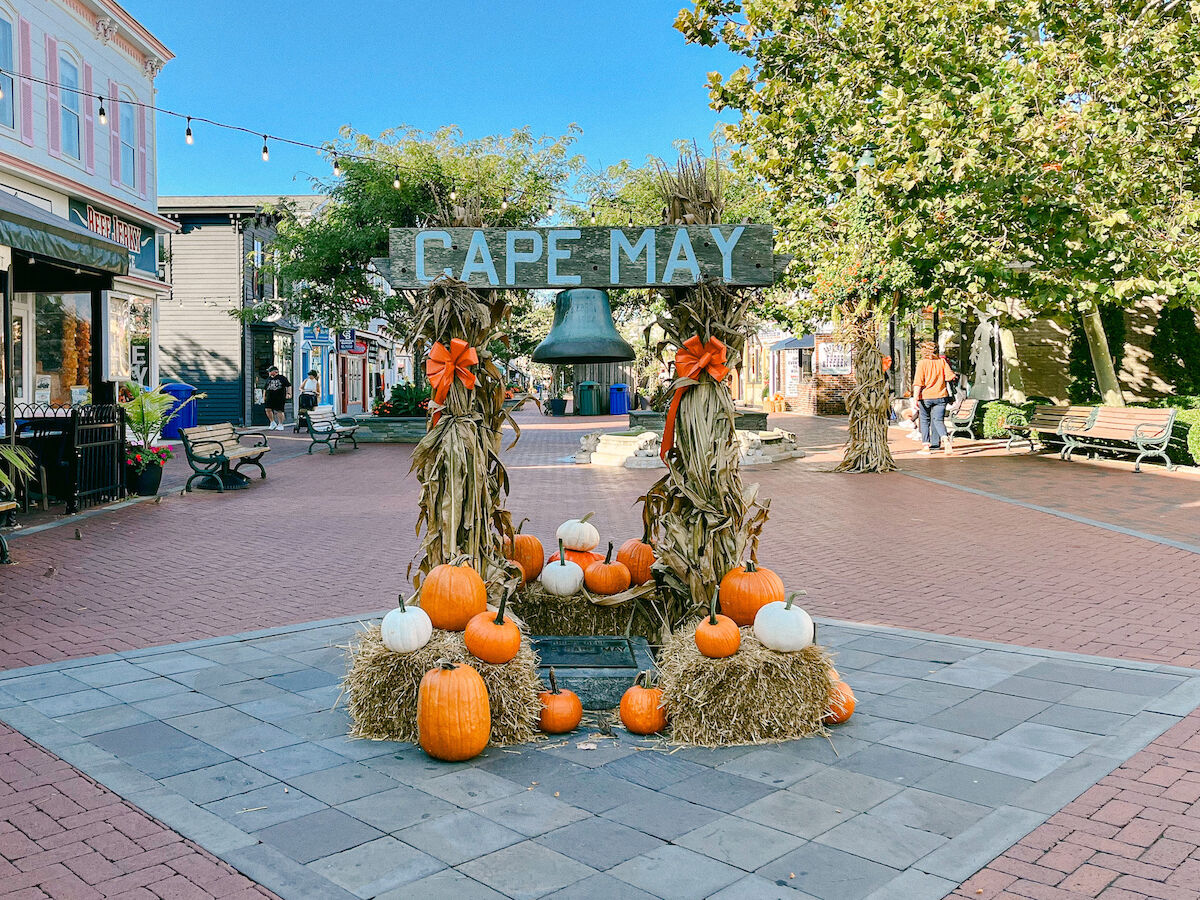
x=267, y=556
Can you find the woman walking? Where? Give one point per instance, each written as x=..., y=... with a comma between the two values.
x=931, y=389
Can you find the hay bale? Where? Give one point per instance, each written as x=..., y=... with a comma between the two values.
x=756, y=696
x=381, y=687
x=546, y=613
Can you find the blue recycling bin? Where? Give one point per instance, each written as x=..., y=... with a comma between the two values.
x=618, y=399
x=187, y=417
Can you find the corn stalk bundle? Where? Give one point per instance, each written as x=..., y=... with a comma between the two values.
x=867, y=403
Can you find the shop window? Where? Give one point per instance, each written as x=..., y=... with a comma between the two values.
x=7, y=114
x=806, y=363
x=62, y=348
x=69, y=104
x=128, y=135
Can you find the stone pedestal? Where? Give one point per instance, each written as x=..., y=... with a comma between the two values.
x=640, y=449
x=383, y=430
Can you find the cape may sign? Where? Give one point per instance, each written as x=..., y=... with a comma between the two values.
x=557, y=258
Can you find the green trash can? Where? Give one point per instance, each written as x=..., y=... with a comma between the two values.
x=589, y=399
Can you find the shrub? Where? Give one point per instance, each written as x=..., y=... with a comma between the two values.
x=994, y=412
x=406, y=401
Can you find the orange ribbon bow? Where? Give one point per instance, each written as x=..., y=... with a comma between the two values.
x=444, y=366
x=691, y=361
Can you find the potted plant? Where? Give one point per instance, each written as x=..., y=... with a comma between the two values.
x=146, y=414
x=557, y=402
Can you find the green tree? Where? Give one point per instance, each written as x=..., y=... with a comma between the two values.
x=1032, y=156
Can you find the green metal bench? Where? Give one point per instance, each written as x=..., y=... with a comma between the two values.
x=326, y=428
x=1045, y=419
x=6, y=507
x=1121, y=429
x=961, y=419
x=216, y=453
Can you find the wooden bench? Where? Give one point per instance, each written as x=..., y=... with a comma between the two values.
x=211, y=449
x=1123, y=429
x=961, y=418
x=326, y=428
x=1045, y=419
x=6, y=507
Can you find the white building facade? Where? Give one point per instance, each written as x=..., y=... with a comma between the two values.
x=61, y=63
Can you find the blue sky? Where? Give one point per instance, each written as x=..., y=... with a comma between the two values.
x=302, y=69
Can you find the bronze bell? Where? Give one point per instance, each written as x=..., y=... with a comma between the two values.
x=583, y=331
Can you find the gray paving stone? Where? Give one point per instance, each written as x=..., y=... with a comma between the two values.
x=940, y=651
x=470, y=787
x=408, y=766
x=1012, y=759
x=174, y=663
x=719, y=790
x=987, y=715
x=207, y=830
x=1133, y=735
x=654, y=770
x=865, y=727
x=172, y=705
x=974, y=785
x=110, y=673
x=342, y=783
x=80, y=701
x=526, y=870
x=302, y=679
x=891, y=764
x=243, y=691
x=1034, y=688
x=1179, y=701
x=771, y=767
x=845, y=789
x=934, y=692
x=755, y=887
x=885, y=645
x=286, y=877
x=264, y=807
x=317, y=835
x=599, y=843
x=909, y=668
x=594, y=791
x=676, y=872
x=971, y=673
x=1076, y=718
x=531, y=813
x=121, y=778
x=882, y=840
x=935, y=742
x=48, y=684
x=376, y=866
x=270, y=665
x=605, y=752
x=459, y=837
x=232, y=652
x=207, y=723
x=848, y=660
x=295, y=759
x=217, y=782
x=142, y=738
x=1112, y=701
x=1053, y=793
x=935, y=813
x=902, y=709
x=176, y=760
x=105, y=718
x=600, y=887
x=914, y=885
x=358, y=749
x=795, y=813
x=213, y=676
x=525, y=766
x=85, y=755
x=824, y=750
x=739, y=842
x=711, y=757
x=445, y=884
x=662, y=816
x=970, y=851
x=273, y=709
x=258, y=738
x=1062, y=741
x=875, y=682
x=398, y=808
x=1105, y=677
x=149, y=689
x=828, y=873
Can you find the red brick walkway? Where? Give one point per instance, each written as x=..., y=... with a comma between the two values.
x=208, y=565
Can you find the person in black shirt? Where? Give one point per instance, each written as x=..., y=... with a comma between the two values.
x=275, y=394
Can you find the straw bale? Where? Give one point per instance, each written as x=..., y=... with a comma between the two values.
x=546, y=613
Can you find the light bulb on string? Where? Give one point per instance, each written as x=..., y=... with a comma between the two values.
x=631, y=220
x=504, y=203
x=550, y=210
x=102, y=116
x=266, y=154
x=337, y=167
x=396, y=180
x=593, y=215
x=187, y=135
x=453, y=194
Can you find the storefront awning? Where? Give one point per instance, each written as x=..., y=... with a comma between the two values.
x=31, y=229
x=808, y=342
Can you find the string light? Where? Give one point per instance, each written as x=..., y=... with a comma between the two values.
x=337, y=167
x=550, y=211
x=453, y=194
x=103, y=116
x=266, y=153
x=187, y=135
x=593, y=215
x=396, y=180
x=631, y=220
x=504, y=203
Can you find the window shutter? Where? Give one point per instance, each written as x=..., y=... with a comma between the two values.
x=141, y=152
x=53, y=113
x=89, y=126
x=25, y=67
x=114, y=136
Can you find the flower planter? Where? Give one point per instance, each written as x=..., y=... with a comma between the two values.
x=144, y=483
x=390, y=430
x=557, y=405
x=747, y=420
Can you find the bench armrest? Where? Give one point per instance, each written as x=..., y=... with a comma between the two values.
x=1072, y=422
x=1159, y=432
x=262, y=438
x=193, y=445
x=347, y=420
x=1015, y=420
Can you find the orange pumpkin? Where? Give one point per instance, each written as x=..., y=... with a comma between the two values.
x=637, y=556
x=606, y=577
x=581, y=558
x=451, y=594
x=526, y=550
x=841, y=703
x=747, y=589
x=718, y=636
x=641, y=708
x=561, y=710
x=454, y=719
x=494, y=639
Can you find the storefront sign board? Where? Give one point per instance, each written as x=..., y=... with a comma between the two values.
x=833, y=359
x=137, y=240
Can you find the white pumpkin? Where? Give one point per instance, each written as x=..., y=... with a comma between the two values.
x=562, y=577
x=578, y=534
x=784, y=627
x=406, y=628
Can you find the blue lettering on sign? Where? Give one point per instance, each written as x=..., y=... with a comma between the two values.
x=422, y=237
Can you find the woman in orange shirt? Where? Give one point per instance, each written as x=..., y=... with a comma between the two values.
x=932, y=391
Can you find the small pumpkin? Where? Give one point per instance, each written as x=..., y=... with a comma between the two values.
x=562, y=710
x=606, y=577
x=641, y=707
x=637, y=556
x=526, y=550
x=578, y=534
x=841, y=703
x=717, y=636
x=454, y=718
x=406, y=628
x=747, y=589
x=562, y=577
x=581, y=558
x=451, y=594
x=784, y=627
x=493, y=639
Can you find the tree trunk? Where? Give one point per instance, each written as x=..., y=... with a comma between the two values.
x=1106, y=373
x=1014, y=384
x=867, y=404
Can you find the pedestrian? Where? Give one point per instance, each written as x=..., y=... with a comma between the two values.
x=932, y=391
x=276, y=392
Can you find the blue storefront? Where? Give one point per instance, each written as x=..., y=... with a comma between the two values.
x=314, y=354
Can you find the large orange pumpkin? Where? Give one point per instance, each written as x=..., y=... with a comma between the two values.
x=451, y=595
x=454, y=719
x=606, y=577
x=637, y=556
x=526, y=550
x=494, y=639
x=841, y=703
x=562, y=710
x=718, y=636
x=581, y=558
x=641, y=708
x=747, y=589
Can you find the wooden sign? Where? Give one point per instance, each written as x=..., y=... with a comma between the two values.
x=558, y=258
